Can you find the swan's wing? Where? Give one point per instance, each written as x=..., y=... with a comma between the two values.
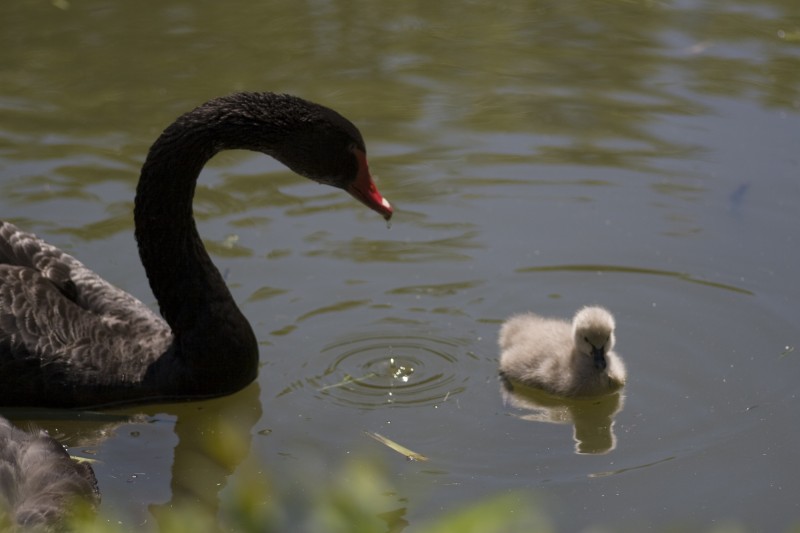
x=19, y=248
x=52, y=307
x=37, y=320
x=68, y=275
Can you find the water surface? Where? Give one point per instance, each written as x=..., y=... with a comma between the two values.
x=641, y=156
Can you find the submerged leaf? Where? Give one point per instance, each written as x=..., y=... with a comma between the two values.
x=399, y=448
x=347, y=379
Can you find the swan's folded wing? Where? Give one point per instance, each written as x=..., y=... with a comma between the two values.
x=36, y=317
x=20, y=248
x=72, y=279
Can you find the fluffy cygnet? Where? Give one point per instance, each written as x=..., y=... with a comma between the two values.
x=560, y=358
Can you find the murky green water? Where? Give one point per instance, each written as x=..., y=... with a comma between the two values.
x=541, y=156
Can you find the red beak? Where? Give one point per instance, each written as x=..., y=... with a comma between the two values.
x=365, y=191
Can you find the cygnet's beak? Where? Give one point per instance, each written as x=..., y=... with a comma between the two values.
x=599, y=358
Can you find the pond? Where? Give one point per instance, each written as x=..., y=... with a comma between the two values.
x=541, y=156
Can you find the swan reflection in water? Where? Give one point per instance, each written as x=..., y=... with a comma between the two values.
x=592, y=418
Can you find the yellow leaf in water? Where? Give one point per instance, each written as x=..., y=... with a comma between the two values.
x=399, y=448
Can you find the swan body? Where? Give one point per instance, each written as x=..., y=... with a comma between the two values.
x=39, y=481
x=562, y=359
x=69, y=338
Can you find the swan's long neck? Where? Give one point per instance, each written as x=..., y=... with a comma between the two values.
x=214, y=343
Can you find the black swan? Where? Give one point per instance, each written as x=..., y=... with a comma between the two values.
x=69, y=338
x=39, y=481
x=560, y=358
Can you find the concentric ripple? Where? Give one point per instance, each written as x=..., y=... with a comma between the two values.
x=391, y=371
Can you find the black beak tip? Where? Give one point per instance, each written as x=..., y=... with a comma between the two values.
x=599, y=359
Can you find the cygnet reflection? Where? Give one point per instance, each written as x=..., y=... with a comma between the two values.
x=592, y=418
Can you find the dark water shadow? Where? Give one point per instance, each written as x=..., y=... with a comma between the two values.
x=591, y=418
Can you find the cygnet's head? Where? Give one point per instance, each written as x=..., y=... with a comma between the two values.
x=593, y=330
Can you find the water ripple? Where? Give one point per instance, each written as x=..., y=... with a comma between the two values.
x=634, y=270
x=390, y=370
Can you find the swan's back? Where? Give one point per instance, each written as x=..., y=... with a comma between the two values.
x=39, y=481
x=537, y=351
x=58, y=320
x=69, y=276
x=527, y=330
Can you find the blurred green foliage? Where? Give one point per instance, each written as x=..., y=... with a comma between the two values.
x=359, y=499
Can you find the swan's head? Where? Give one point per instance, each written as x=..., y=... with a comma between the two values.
x=593, y=330
x=311, y=139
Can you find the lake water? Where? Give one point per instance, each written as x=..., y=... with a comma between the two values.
x=541, y=156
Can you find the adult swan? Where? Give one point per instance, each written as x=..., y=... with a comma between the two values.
x=69, y=338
